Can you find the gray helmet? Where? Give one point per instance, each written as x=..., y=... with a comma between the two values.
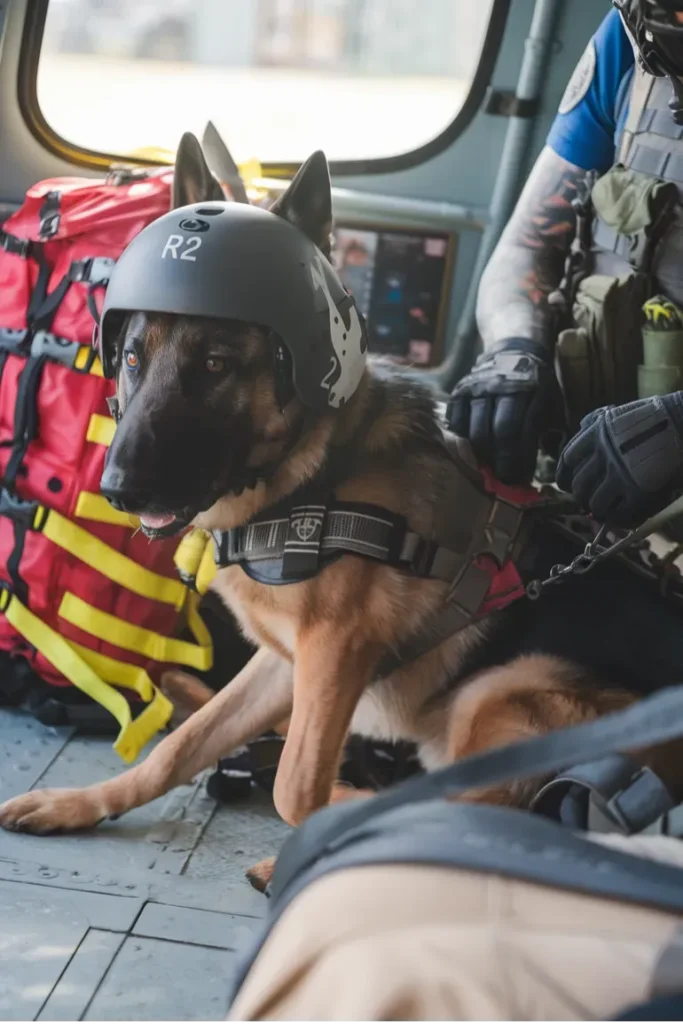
x=236, y=262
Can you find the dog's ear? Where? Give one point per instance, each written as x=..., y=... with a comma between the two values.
x=193, y=182
x=307, y=203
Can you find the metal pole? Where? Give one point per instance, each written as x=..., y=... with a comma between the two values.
x=537, y=50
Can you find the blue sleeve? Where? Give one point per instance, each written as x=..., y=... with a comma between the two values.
x=583, y=131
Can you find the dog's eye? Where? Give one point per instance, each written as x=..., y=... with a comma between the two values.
x=132, y=360
x=215, y=365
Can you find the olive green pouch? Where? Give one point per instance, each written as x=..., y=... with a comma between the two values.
x=598, y=357
x=632, y=203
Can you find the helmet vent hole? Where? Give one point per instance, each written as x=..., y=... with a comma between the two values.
x=209, y=211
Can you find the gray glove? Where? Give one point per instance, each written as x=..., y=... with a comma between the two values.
x=503, y=406
x=626, y=462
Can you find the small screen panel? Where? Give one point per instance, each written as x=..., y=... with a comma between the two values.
x=399, y=282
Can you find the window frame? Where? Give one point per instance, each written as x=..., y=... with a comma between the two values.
x=27, y=91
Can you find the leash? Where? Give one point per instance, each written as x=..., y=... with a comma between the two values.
x=594, y=552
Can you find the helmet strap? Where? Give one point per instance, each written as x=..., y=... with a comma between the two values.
x=114, y=408
x=282, y=368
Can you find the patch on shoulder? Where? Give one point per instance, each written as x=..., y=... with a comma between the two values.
x=580, y=82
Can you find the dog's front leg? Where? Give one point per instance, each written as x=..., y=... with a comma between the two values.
x=258, y=698
x=331, y=671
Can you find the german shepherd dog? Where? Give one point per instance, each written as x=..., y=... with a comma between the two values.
x=590, y=646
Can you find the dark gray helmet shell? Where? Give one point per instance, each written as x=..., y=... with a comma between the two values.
x=236, y=262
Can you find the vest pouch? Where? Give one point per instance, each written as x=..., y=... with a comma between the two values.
x=632, y=212
x=662, y=369
x=598, y=358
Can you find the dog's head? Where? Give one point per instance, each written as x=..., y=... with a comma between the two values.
x=200, y=400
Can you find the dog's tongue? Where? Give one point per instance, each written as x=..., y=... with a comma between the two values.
x=157, y=522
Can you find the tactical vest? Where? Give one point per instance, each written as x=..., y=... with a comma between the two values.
x=619, y=337
x=651, y=145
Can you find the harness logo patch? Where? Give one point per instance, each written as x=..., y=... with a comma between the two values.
x=580, y=82
x=305, y=527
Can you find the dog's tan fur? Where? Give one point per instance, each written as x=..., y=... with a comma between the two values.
x=321, y=640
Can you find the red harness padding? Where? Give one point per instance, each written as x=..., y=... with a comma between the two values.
x=83, y=595
x=506, y=582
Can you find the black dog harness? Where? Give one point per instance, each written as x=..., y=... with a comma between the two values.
x=480, y=528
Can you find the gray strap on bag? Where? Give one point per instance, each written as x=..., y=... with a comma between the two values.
x=652, y=721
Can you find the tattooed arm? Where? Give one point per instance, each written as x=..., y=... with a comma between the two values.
x=505, y=403
x=528, y=262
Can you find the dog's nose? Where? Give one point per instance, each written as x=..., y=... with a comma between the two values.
x=123, y=493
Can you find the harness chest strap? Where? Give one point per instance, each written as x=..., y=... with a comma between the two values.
x=478, y=532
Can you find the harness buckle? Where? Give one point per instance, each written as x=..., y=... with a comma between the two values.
x=421, y=559
x=502, y=529
x=469, y=589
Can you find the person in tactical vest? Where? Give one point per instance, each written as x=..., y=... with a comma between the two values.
x=585, y=284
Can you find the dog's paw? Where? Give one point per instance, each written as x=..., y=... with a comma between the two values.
x=260, y=874
x=50, y=810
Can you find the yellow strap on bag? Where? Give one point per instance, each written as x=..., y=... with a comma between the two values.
x=143, y=641
x=194, y=560
x=107, y=561
x=97, y=508
x=207, y=569
x=81, y=666
x=85, y=356
x=101, y=429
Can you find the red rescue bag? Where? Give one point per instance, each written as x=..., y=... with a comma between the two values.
x=84, y=597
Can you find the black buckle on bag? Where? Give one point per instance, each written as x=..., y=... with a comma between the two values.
x=629, y=795
x=96, y=270
x=14, y=341
x=17, y=246
x=20, y=510
x=125, y=174
x=50, y=215
x=6, y=595
x=55, y=348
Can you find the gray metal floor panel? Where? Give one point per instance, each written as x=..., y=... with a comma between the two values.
x=138, y=919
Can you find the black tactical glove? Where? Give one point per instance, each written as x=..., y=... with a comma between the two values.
x=503, y=406
x=626, y=462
